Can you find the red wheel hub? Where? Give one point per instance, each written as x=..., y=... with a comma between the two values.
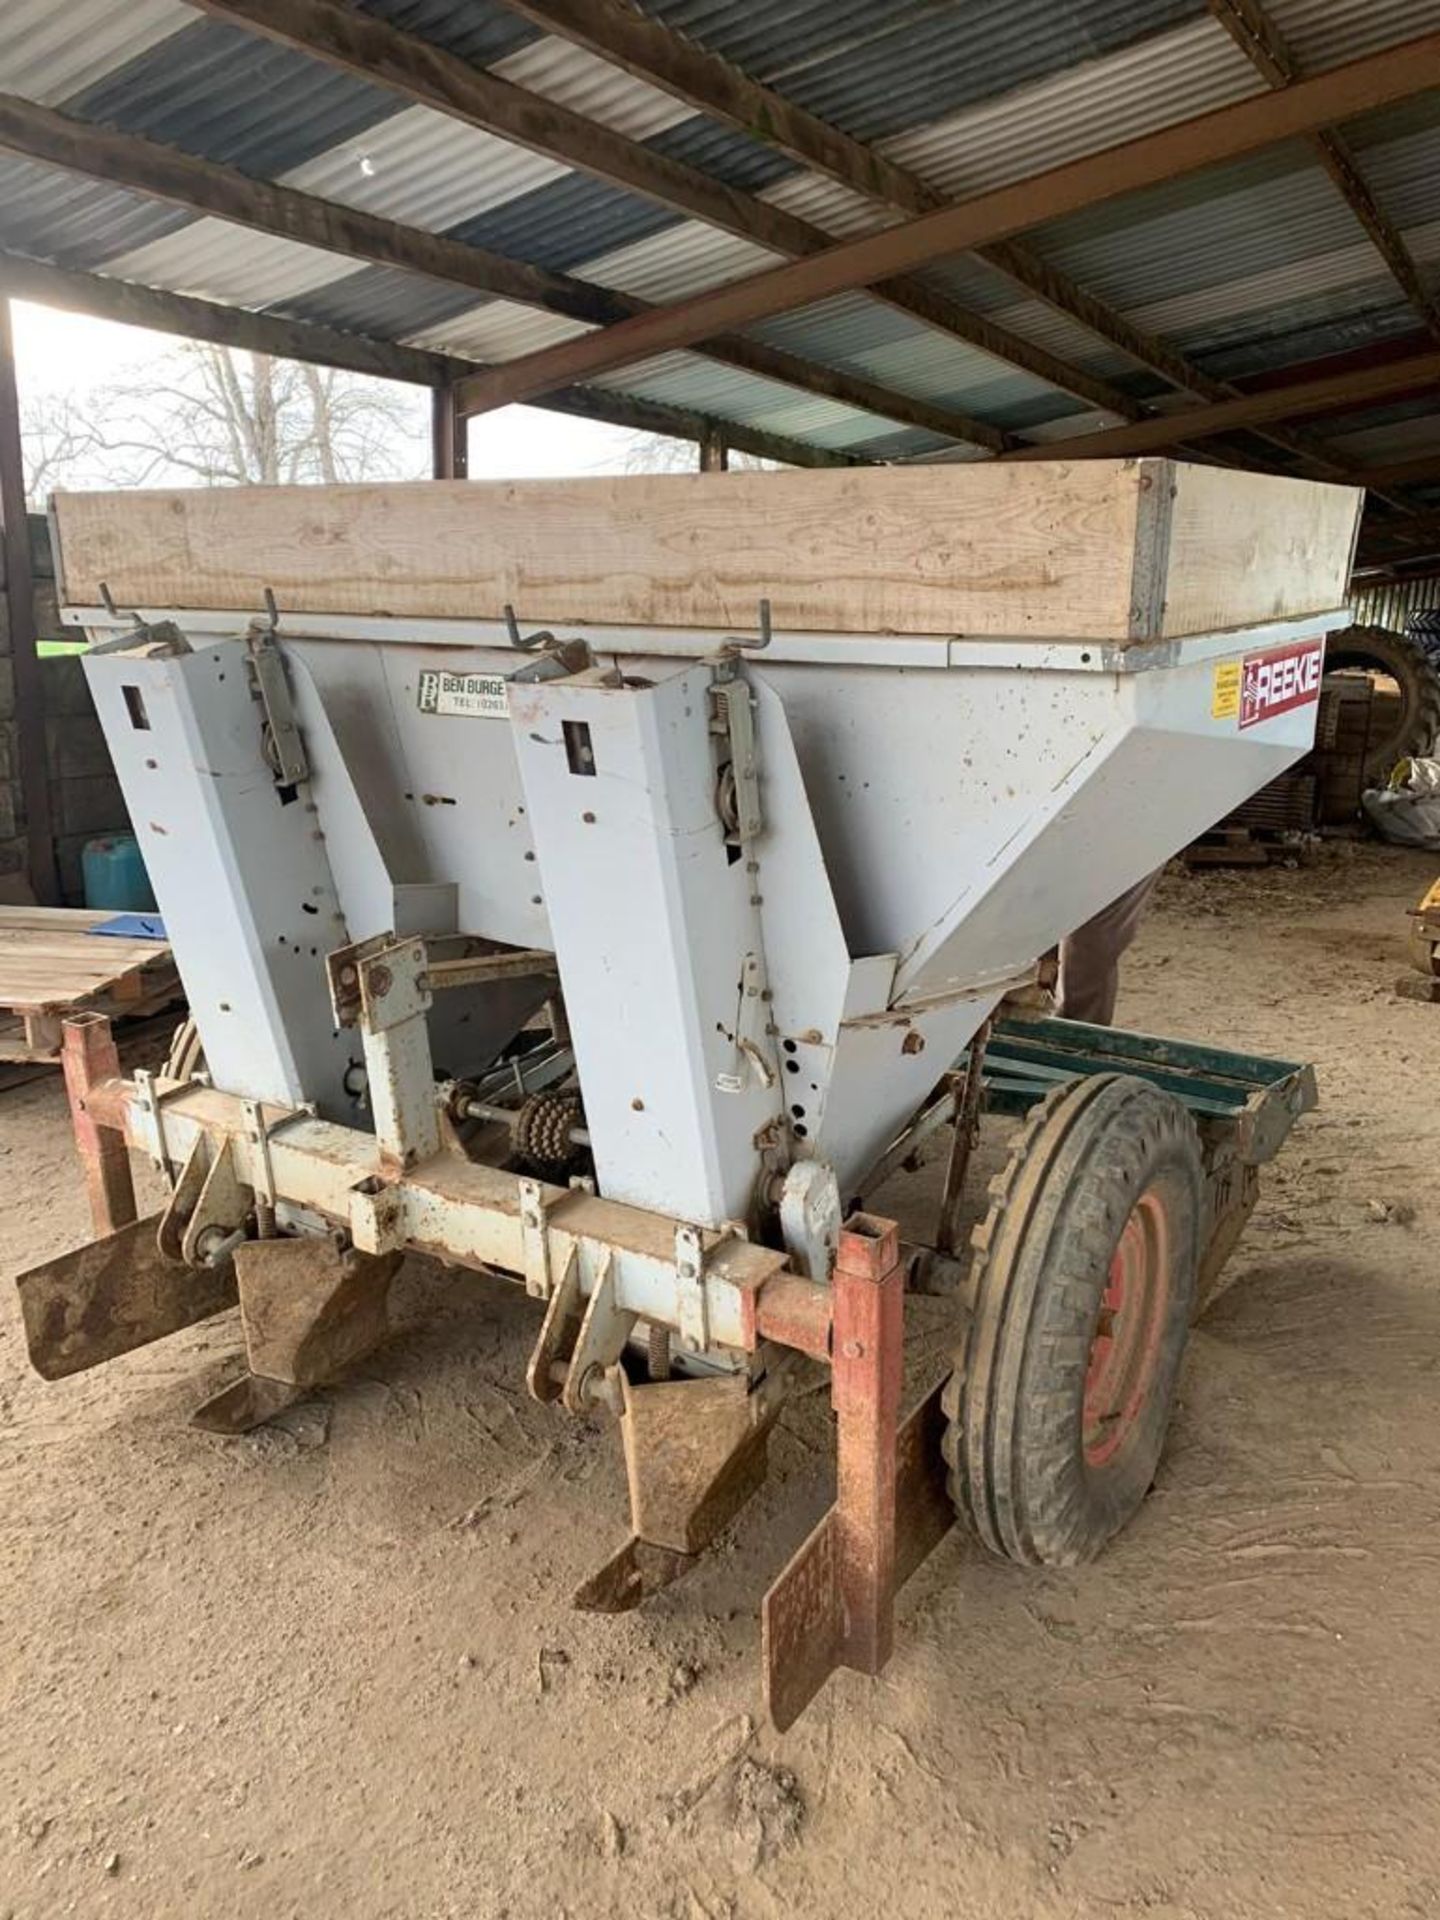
x=1126, y=1345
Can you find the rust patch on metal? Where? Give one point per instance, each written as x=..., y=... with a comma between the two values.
x=89, y=1060
x=111, y=1297
x=803, y=1616
x=309, y=1307
x=631, y=1576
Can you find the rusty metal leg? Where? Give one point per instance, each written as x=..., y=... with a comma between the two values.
x=866, y=1368
x=834, y=1604
x=89, y=1057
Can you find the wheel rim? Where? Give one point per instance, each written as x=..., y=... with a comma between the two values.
x=1126, y=1345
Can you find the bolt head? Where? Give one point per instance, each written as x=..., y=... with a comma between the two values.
x=854, y=1350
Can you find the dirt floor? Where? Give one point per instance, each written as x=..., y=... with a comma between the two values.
x=331, y=1669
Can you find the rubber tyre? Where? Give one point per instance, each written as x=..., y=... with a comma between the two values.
x=1015, y=1442
x=1405, y=660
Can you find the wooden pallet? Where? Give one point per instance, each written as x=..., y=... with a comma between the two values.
x=51, y=965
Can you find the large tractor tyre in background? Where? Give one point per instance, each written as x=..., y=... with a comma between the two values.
x=1408, y=722
x=1081, y=1293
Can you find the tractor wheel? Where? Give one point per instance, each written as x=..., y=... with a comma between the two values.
x=1081, y=1289
x=1409, y=719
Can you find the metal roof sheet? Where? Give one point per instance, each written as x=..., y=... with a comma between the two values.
x=425, y=169
x=679, y=261
x=46, y=54
x=1251, y=268
x=590, y=86
x=498, y=330
x=72, y=221
x=1323, y=33
x=386, y=302
x=783, y=36
x=685, y=380
x=568, y=219
x=482, y=31
x=229, y=96
x=1080, y=110
x=920, y=70
x=215, y=260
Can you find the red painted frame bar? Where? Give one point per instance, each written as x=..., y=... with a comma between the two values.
x=89, y=1058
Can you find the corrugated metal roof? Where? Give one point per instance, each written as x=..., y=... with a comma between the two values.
x=576, y=79
x=1250, y=267
x=569, y=219
x=1080, y=110
x=498, y=330
x=386, y=302
x=425, y=169
x=1308, y=331
x=920, y=70
x=685, y=380
x=1279, y=210
x=1322, y=33
x=782, y=37
x=43, y=57
x=226, y=95
x=680, y=261
x=74, y=222
x=482, y=31
x=215, y=260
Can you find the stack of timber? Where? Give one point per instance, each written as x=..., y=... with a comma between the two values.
x=52, y=965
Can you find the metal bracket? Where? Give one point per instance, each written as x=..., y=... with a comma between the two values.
x=734, y=717
x=604, y=1330
x=535, y=1238
x=148, y=1101
x=526, y=642
x=691, y=1307
x=382, y=986
x=557, y=1333
x=216, y=1224
x=262, y=1173
x=558, y=660
x=284, y=748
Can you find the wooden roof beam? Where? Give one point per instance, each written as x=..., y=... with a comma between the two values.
x=374, y=50
x=205, y=187
x=1247, y=126
x=1257, y=35
x=135, y=306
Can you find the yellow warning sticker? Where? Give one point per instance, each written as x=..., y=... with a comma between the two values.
x=1225, y=692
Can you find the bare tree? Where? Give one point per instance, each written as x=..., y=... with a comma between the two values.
x=218, y=417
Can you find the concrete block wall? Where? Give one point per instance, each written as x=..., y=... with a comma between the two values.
x=85, y=798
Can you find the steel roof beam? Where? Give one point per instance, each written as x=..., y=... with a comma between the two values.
x=1331, y=393
x=1258, y=37
x=374, y=50
x=1421, y=471
x=283, y=339
x=660, y=56
x=1228, y=133
x=204, y=186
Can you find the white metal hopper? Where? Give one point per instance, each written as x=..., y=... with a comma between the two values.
x=991, y=699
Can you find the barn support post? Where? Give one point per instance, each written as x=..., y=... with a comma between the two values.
x=24, y=655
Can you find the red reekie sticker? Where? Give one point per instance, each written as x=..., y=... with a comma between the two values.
x=1279, y=679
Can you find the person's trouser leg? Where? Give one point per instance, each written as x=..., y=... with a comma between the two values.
x=1090, y=957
